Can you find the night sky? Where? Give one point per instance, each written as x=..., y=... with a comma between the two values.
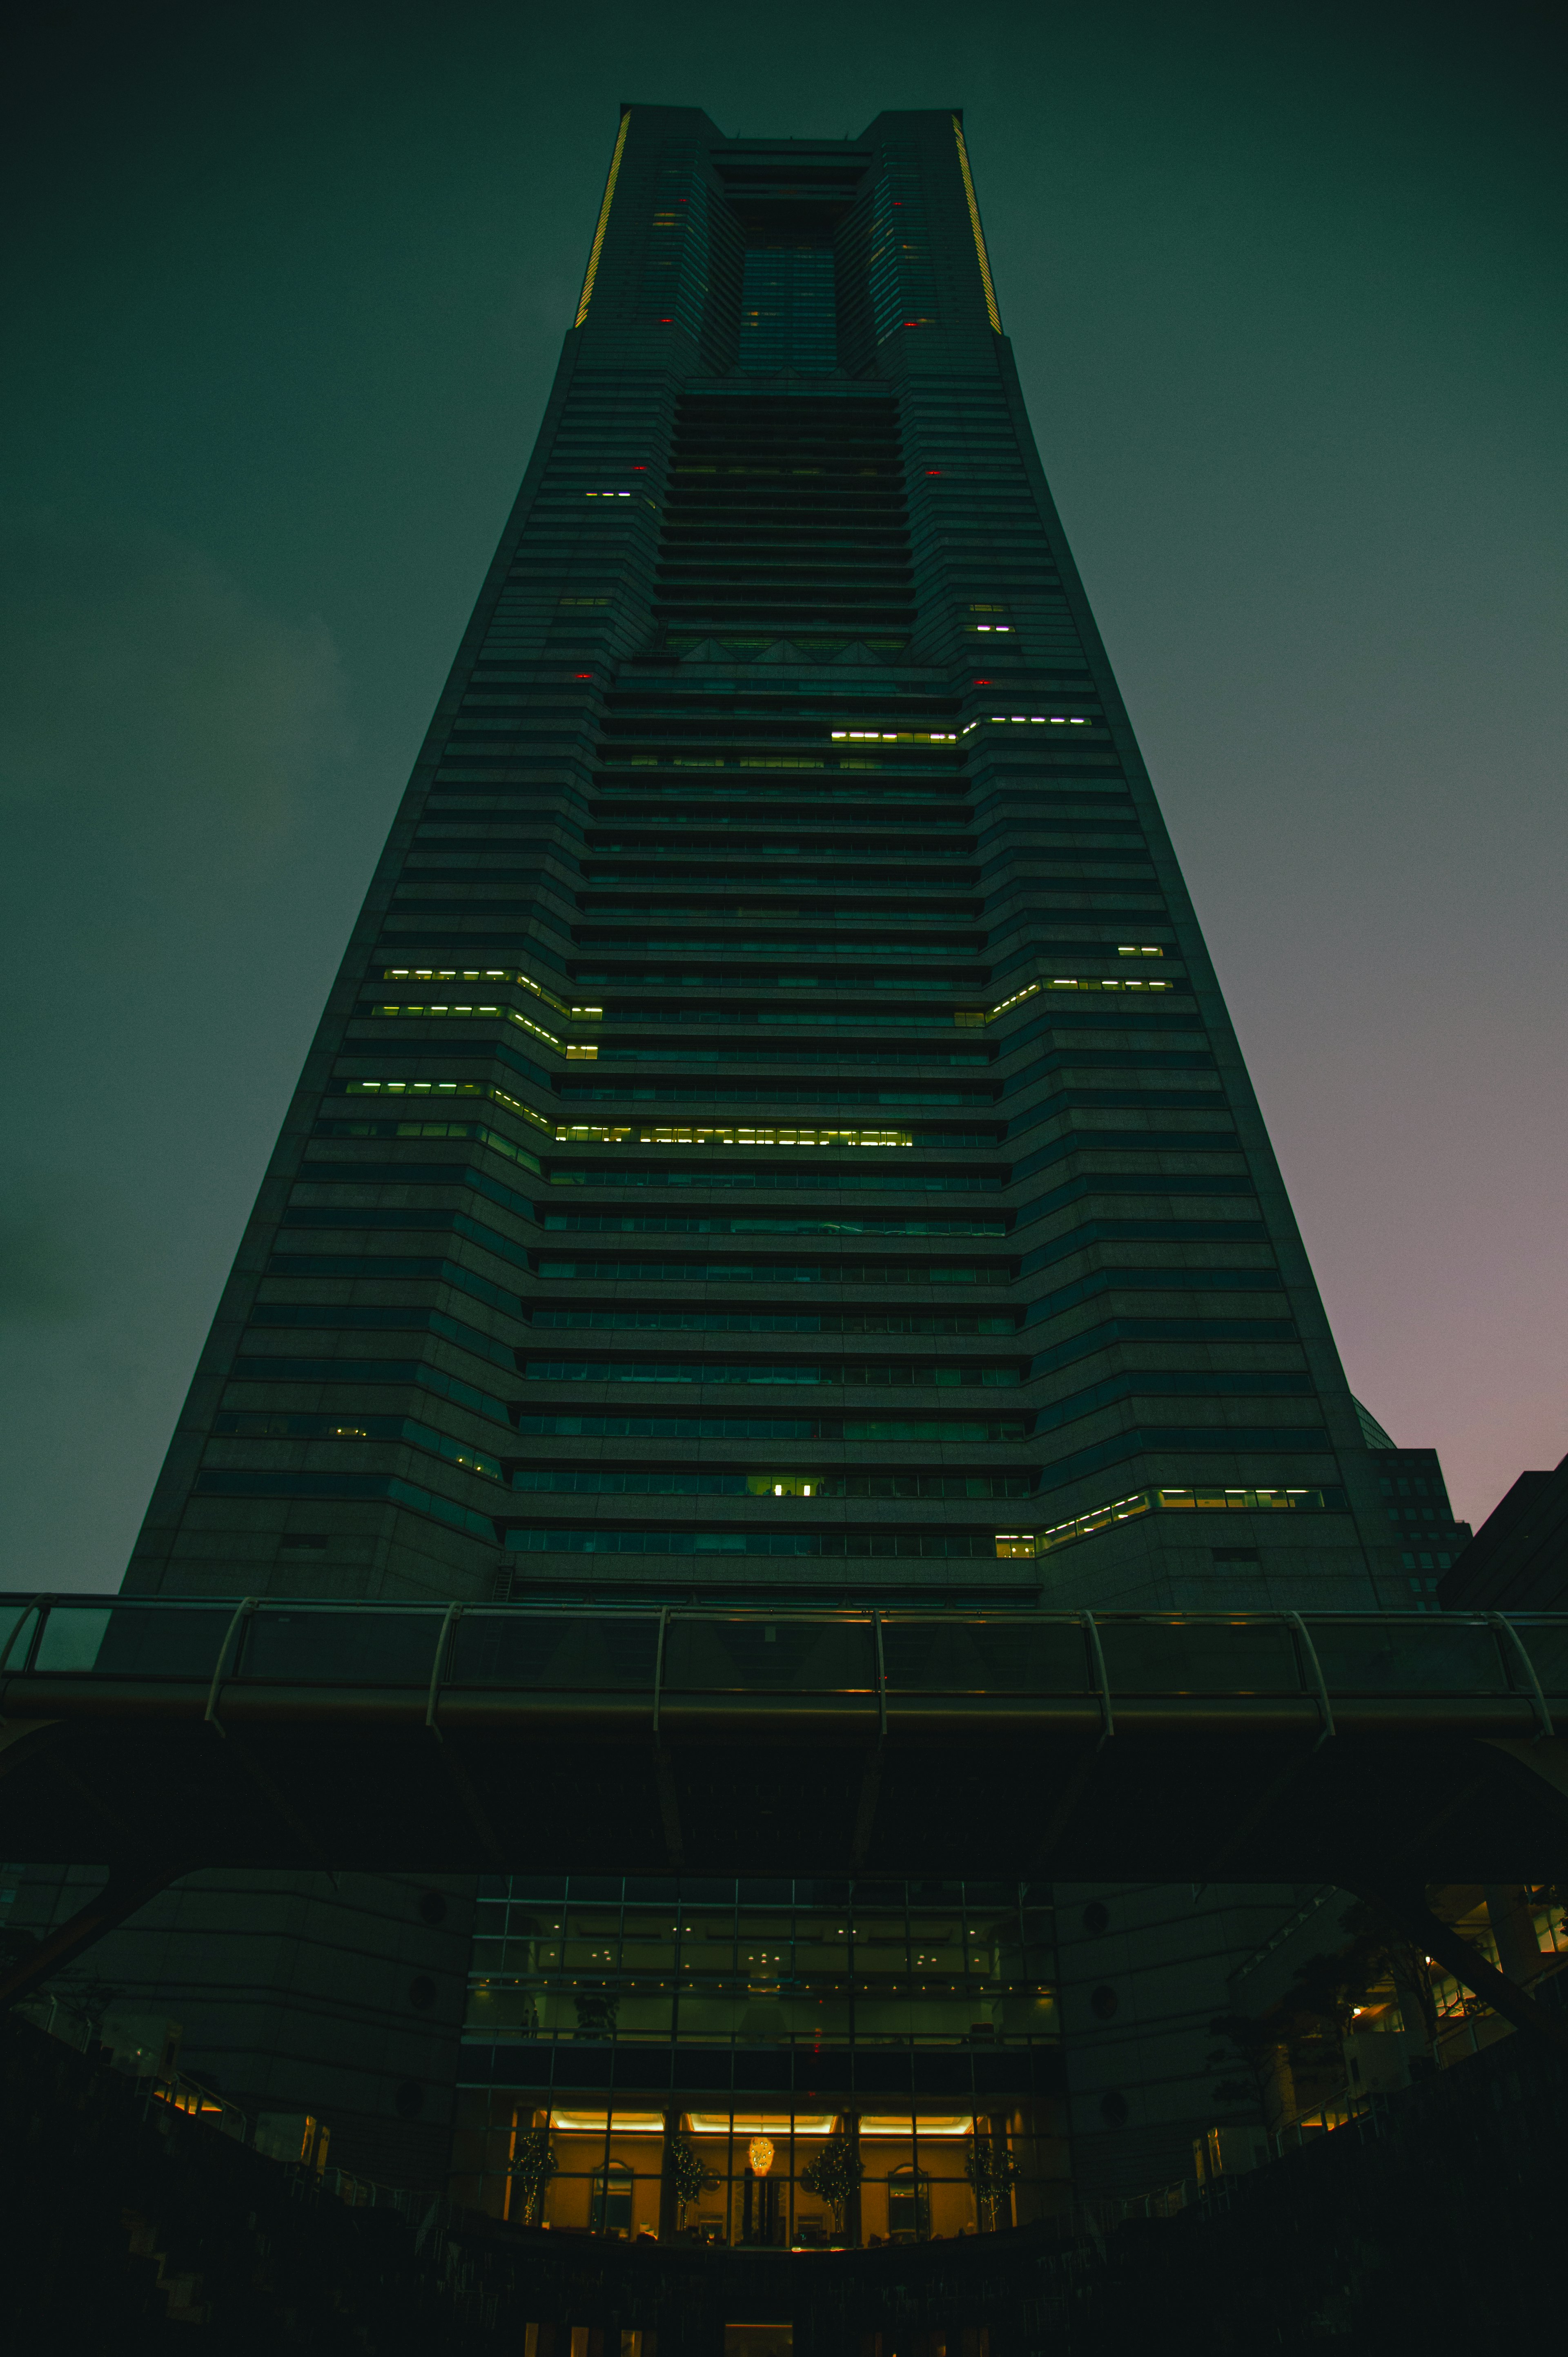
x=285, y=290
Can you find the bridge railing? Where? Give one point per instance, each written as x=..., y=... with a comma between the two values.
x=692, y=1651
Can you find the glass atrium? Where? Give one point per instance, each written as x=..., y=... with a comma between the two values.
x=699, y=2057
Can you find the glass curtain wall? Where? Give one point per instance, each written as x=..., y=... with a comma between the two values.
x=757, y=2176
x=928, y=2010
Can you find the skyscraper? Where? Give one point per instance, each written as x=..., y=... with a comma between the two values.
x=776, y=1127
x=776, y=1102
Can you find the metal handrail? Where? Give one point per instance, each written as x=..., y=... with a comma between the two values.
x=37, y=1604
x=1320, y=1683
x=454, y=1613
x=659, y=1662
x=243, y=1612
x=1097, y=1652
x=1389, y=1656
x=782, y=1607
x=1543, y=1725
x=881, y=1676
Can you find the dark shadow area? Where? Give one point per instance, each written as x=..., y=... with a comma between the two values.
x=1434, y=2219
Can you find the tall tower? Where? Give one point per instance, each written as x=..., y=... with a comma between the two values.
x=776, y=1102
x=776, y=1128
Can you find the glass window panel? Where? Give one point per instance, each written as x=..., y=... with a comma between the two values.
x=555, y=2010
x=708, y=1947
x=936, y=1942
x=711, y=2012
x=884, y=2014
x=612, y=2201
x=592, y=1943
x=821, y=1945
x=648, y=1940
x=71, y=1638
x=646, y=2015
x=600, y=1653
x=1548, y=1649
x=1437, y=1654
x=708, y=2217
x=710, y=1656
x=501, y=2007
x=1208, y=1657
x=541, y=1933
x=992, y=1656
x=765, y=1937
x=943, y=2157
x=390, y=1647
x=908, y=2205
x=144, y=1640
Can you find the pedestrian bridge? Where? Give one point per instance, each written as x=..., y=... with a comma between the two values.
x=774, y=1740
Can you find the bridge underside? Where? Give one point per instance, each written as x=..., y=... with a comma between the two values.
x=763, y=1785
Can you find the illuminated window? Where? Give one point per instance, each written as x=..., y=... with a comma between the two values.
x=613, y=2187
x=908, y=2205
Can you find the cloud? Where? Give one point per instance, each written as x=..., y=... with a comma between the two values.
x=50, y=1238
x=146, y=698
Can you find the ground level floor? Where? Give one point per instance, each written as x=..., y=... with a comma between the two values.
x=723, y=2173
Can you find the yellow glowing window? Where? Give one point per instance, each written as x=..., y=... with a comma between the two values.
x=680, y=1134
x=448, y=1088
x=894, y=735
x=1147, y=1501
x=485, y=974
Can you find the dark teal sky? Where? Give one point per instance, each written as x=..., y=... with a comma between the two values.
x=285, y=288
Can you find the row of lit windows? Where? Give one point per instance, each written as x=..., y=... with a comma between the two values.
x=574, y=1051
x=1151, y=1502
x=962, y=1017
x=639, y=1482
x=619, y=1134
x=1035, y=719
x=487, y=974
x=894, y=735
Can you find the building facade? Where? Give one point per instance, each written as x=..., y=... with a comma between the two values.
x=1416, y=1503
x=1517, y=1560
x=776, y=1134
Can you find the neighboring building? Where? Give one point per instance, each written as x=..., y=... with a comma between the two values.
x=1416, y=1501
x=1517, y=1560
x=775, y=1131
x=1329, y=2009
